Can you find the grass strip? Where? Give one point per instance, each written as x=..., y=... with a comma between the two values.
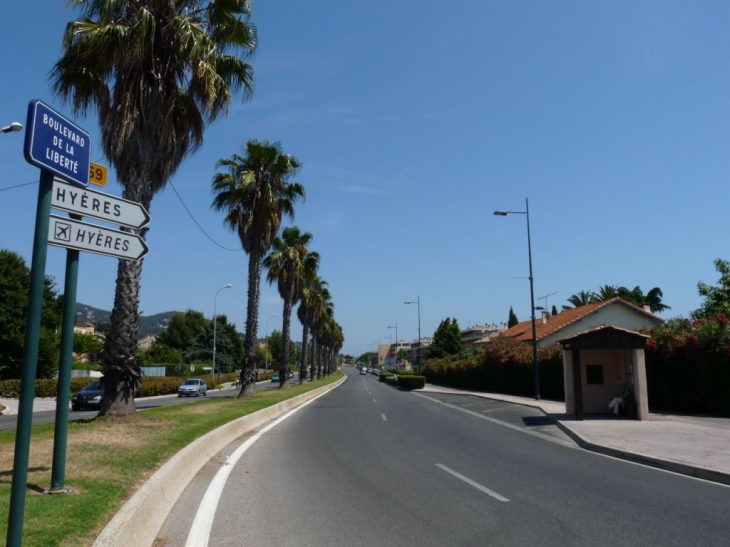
x=108, y=458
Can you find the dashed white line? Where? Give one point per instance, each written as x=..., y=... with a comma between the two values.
x=472, y=483
x=384, y=418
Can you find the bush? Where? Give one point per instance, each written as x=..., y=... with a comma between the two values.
x=503, y=366
x=688, y=366
x=385, y=375
x=409, y=381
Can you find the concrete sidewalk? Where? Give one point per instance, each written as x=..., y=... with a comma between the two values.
x=691, y=445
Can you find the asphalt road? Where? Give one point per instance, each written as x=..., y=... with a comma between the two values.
x=368, y=465
x=49, y=416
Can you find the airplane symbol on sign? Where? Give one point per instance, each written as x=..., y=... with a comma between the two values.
x=63, y=232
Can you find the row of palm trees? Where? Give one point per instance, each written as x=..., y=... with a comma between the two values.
x=636, y=296
x=156, y=74
x=255, y=192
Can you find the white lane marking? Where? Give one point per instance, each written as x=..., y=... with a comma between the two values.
x=203, y=523
x=472, y=483
x=375, y=401
x=384, y=418
x=568, y=444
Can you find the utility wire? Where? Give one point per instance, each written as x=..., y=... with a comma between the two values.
x=18, y=185
x=197, y=223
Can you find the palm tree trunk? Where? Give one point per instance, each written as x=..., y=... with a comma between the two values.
x=313, y=362
x=122, y=374
x=248, y=368
x=286, y=335
x=319, y=361
x=303, y=364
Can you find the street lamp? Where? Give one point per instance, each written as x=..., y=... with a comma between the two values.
x=14, y=127
x=215, y=323
x=395, y=350
x=418, y=301
x=266, y=358
x=526, y=212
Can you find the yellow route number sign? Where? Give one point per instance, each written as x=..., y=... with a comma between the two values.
x=98, y=174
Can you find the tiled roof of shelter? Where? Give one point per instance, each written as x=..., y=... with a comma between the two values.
x=523, y=331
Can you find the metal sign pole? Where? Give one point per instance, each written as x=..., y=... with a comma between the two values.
x=60, y=434
x=30, y=362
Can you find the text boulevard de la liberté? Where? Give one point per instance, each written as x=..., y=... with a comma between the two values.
x=65, y=141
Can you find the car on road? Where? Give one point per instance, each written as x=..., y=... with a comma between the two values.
x=193, y=386
x=363, y=371
x=275, y=378
x=89, y=397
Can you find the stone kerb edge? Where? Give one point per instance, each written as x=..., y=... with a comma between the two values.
x=142, y=516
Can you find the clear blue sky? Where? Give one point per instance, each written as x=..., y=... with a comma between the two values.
x=414, y=121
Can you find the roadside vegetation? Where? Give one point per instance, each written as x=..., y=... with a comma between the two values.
x=108, y=458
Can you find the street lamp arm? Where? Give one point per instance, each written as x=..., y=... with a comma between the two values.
x=14, y=127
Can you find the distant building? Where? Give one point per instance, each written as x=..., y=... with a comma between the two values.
x=478, y=335
x=146, y=342
x=88, y=328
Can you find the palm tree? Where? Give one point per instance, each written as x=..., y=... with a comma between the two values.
x=311, y=291
x=255, y=193
x=322, y=309
x=291, y=265
x=606, y=292
x=581, y=299
x=635, y=295
x=156, y=73
x=653, y=299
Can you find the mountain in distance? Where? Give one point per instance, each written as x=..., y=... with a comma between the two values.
x=149, y=325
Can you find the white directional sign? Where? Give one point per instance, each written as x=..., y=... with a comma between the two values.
x=74, y=234
x=90, y=203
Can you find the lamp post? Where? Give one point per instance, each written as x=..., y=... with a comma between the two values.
x=215, y=323
x=418, y=301
x=266, y=353
x=395, y=349
x=526, y=212
x=13, y=127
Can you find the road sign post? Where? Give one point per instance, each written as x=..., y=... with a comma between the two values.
x=60, y=432
x=30, y=363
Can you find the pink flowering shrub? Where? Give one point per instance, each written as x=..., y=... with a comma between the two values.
x=503, y=366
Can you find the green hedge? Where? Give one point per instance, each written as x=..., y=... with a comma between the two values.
x=504, y=366
x=151, y=385
x=385, y=375
x=688, y=366
x=410, y=381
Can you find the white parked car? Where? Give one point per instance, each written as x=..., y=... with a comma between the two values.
x=193, y=386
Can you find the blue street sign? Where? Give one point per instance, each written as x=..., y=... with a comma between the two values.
x=54, y=143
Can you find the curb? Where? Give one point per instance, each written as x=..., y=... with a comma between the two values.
x=643, y=459
x=140, y=519
x=697, y=472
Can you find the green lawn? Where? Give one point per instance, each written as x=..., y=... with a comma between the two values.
x=107, y=458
